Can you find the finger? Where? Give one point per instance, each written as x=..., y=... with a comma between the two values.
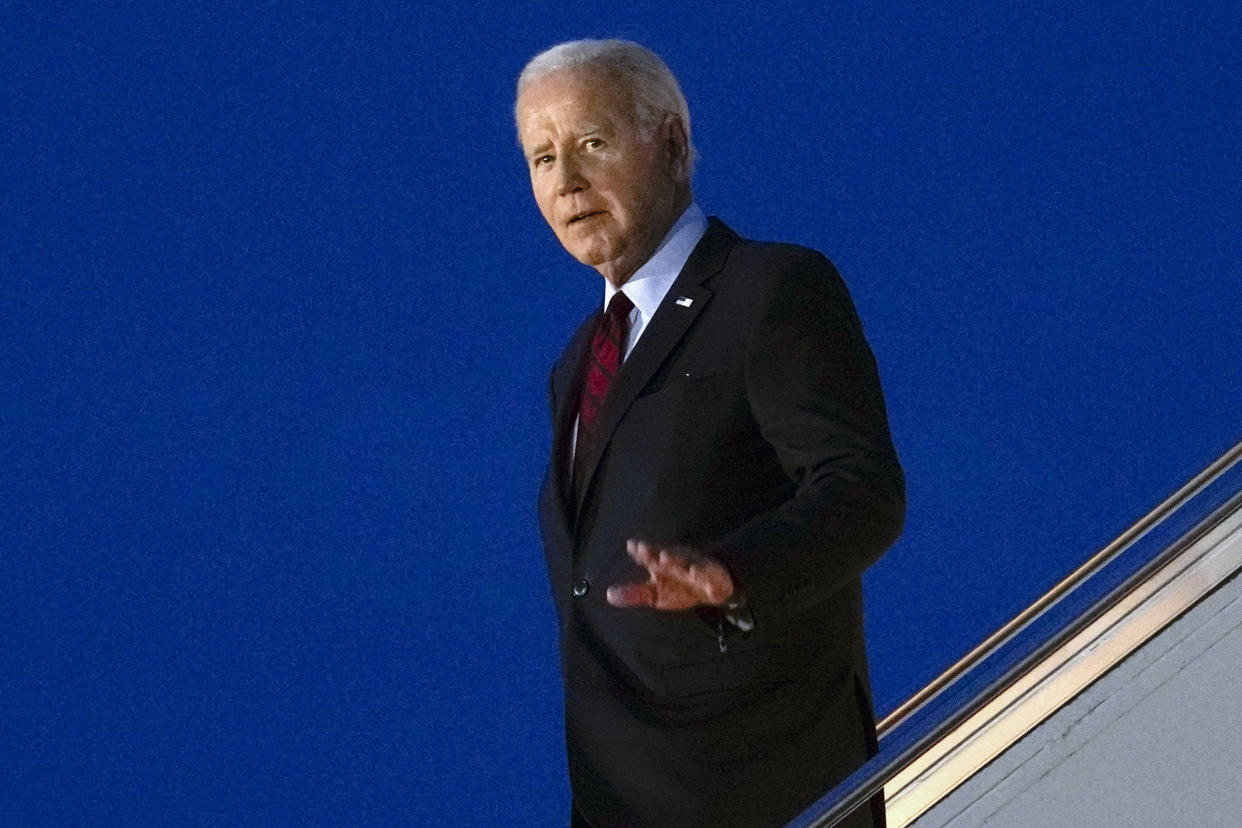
x=642, y=552
x=632, y=595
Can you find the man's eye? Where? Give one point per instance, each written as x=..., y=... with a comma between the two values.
x=593, y=143
x=543, y=159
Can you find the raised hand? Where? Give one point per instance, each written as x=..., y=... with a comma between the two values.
x=678, y=578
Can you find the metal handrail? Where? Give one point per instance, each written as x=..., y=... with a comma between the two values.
x=1067, y=585
x=873, y=776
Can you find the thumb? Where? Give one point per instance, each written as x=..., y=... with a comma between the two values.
x=632, y=595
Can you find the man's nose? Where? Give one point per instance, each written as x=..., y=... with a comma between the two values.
x=571, y=180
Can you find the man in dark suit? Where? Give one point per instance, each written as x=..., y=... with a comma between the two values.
x=721, y=475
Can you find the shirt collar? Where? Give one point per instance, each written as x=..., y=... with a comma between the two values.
x=646, y=288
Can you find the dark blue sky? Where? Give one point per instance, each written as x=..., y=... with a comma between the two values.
x=277, y=312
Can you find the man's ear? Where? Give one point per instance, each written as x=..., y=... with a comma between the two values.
x=677, y=145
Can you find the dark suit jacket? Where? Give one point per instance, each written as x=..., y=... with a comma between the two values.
x=747, y=422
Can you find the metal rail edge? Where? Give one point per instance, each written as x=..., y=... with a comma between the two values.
x=873, y=776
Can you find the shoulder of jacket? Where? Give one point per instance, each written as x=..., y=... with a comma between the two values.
x=777, y=253
x=764, y=266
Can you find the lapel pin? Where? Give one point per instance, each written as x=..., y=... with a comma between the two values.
x=685, y=301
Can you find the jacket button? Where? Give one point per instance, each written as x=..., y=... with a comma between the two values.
x=580, y=587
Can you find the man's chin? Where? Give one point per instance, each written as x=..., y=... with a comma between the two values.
x=592, y=255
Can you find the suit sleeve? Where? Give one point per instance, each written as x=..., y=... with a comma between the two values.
x=813, y=389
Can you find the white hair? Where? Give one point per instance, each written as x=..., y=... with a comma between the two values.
x=653, y=88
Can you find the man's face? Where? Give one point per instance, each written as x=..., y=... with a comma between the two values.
x=609, y=192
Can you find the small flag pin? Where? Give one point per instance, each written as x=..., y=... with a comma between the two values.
x=685, y=301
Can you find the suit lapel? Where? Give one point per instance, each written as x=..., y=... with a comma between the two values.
x=567, y=389
x=671, y=321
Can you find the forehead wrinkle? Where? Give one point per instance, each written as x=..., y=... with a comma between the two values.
x=541, y=134
x=538, y=148
x=596, y=103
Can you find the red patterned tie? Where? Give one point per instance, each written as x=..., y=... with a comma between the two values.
x=607, y=349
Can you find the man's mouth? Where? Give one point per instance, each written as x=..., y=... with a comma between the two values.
x=581, y=216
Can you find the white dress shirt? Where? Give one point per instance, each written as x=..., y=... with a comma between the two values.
x=647, y=287
x=649, y=284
